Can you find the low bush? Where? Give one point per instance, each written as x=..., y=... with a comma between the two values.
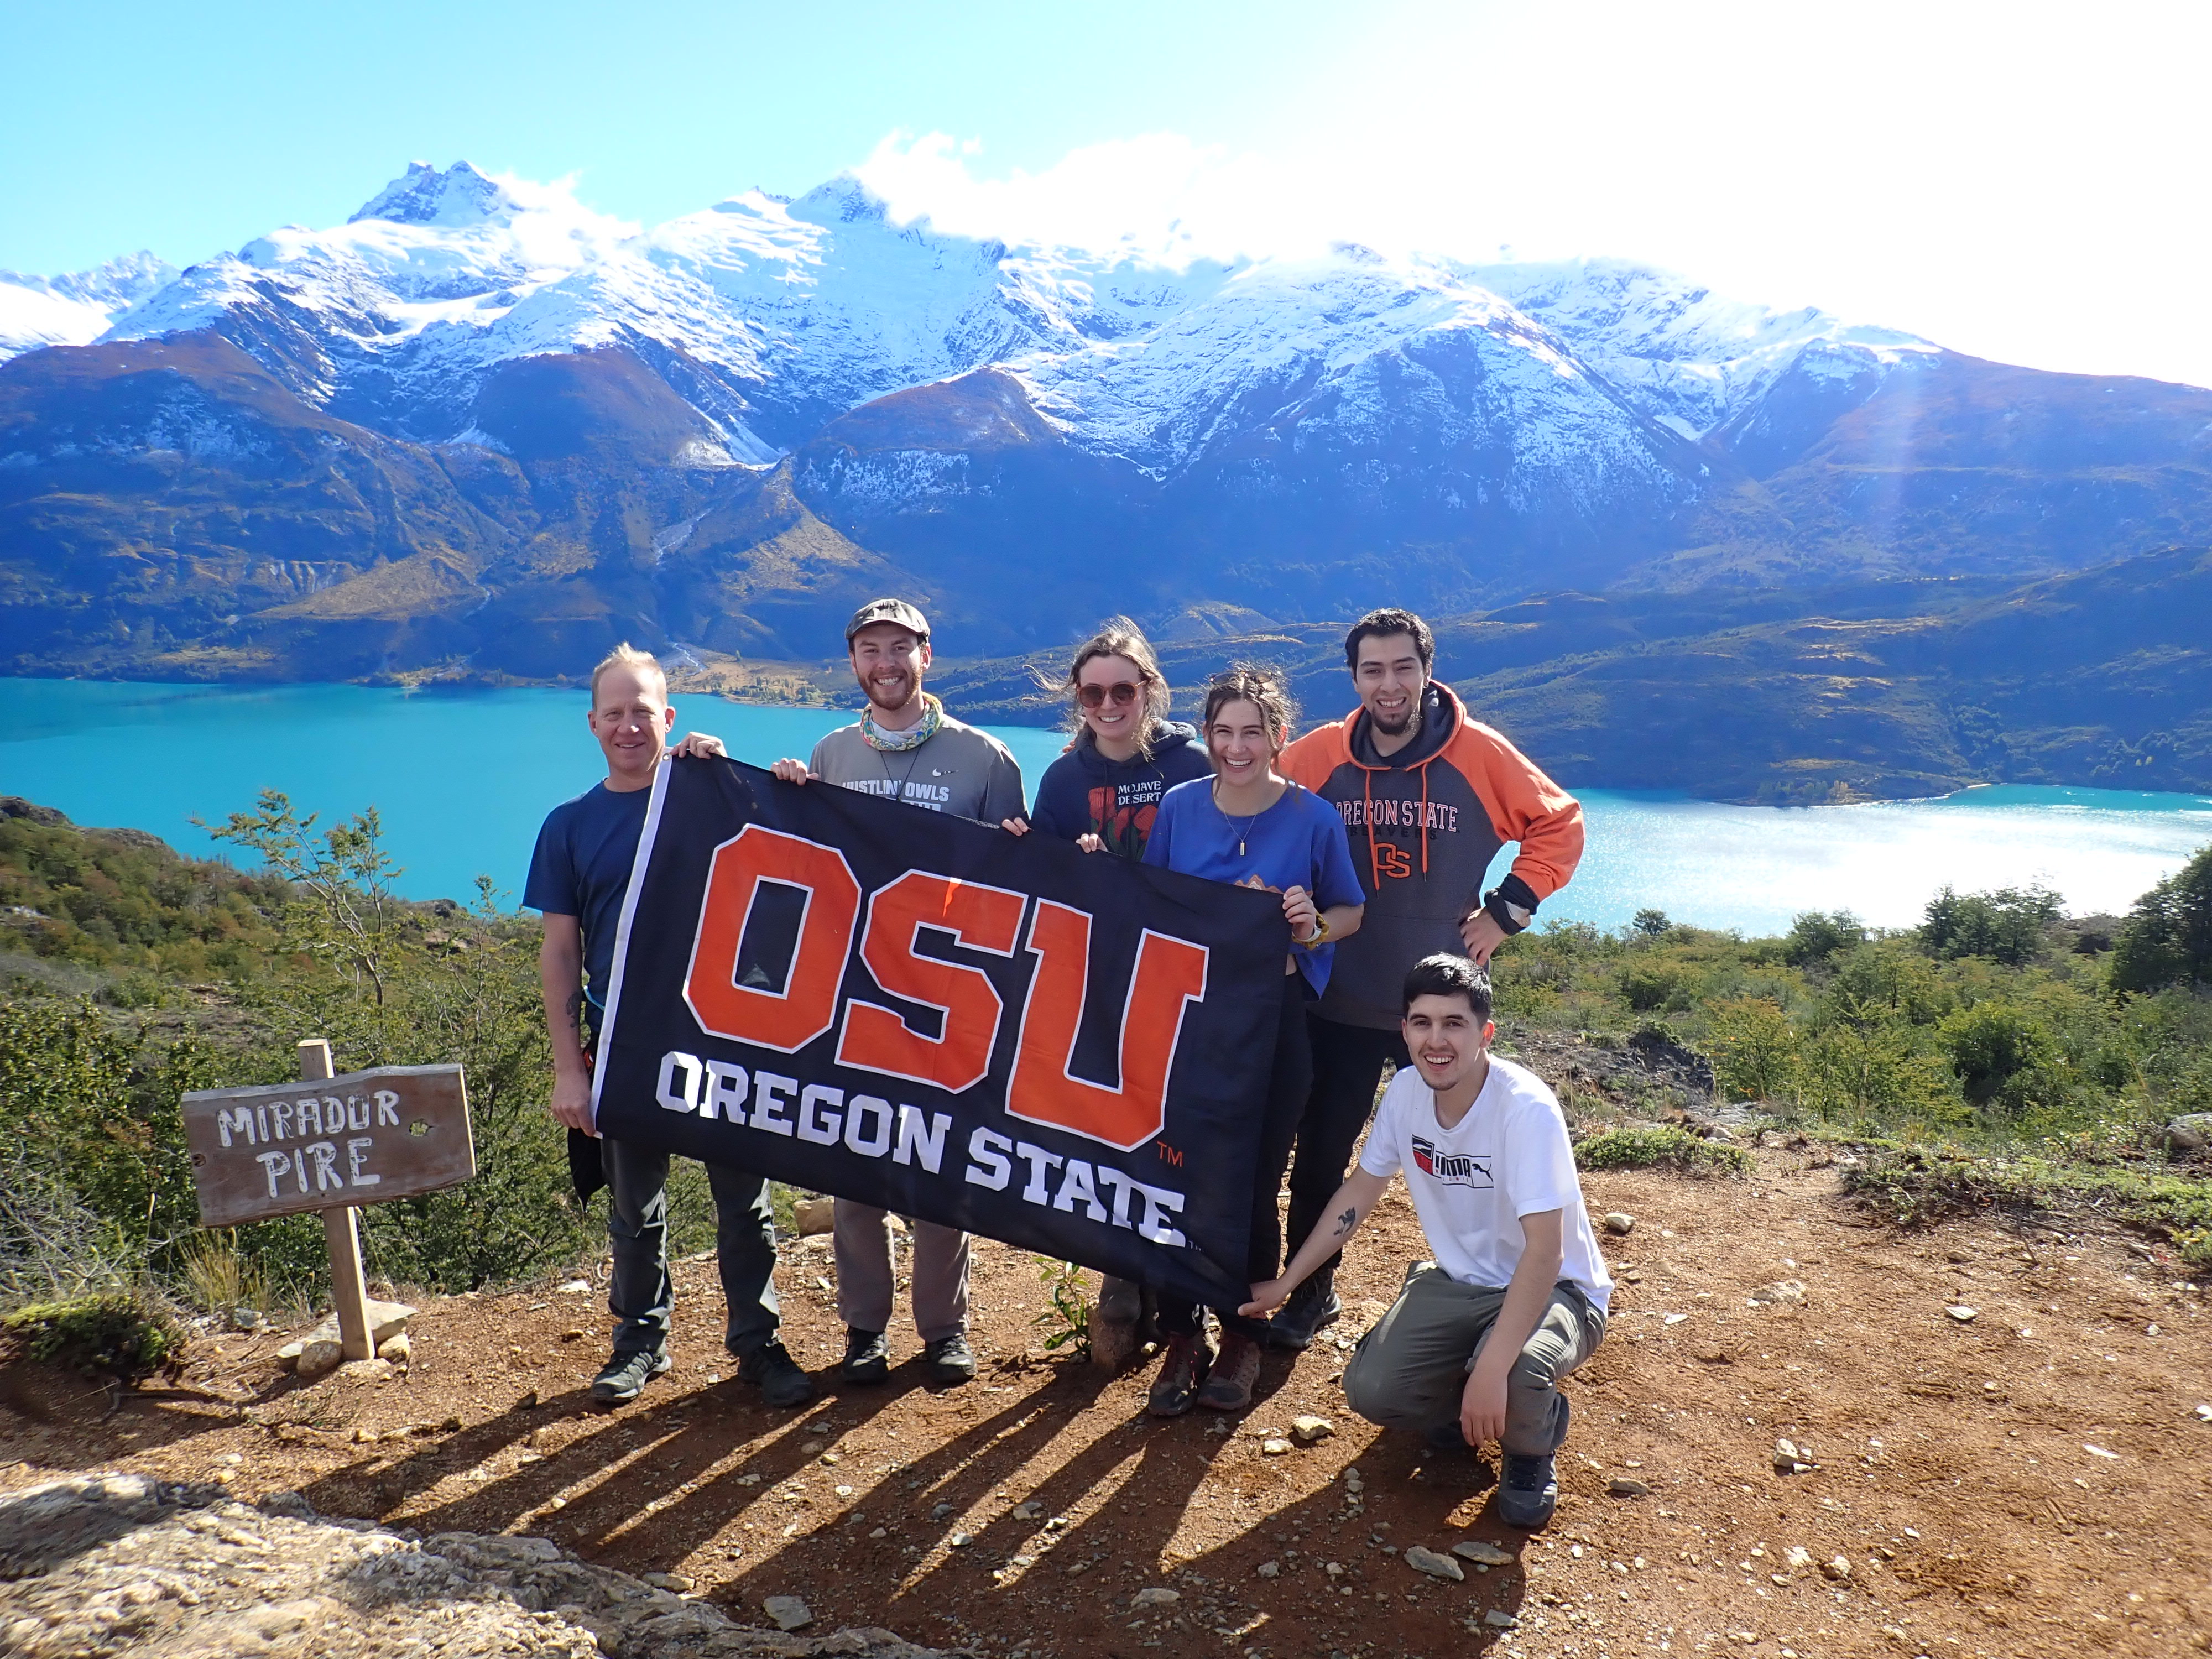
x=1660, y=1146
x=128, y=1334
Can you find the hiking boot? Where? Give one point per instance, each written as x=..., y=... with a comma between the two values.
x=1311, y=1306
x=949, y=1360
x=1117, y=1333
x=1182, y=1373
x=1230, y=1387
x=624, y=1376
x=771, y=1369
x=1528, y=1487
x=867, y=1356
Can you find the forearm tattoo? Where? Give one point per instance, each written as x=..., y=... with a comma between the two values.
x=1345, y=1222
x=572, y=1010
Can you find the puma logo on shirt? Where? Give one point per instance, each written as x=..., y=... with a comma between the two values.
x=1452, y=1169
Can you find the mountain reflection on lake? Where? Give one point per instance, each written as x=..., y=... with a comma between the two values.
x=463, y=778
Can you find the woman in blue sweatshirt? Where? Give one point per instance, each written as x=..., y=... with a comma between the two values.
x=1103, y=794
x=1105, y=791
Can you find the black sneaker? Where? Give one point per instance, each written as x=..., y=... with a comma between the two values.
x=1298, y=1320
x=867, y=1356
x=624, y=1377
x=949, y=1360
x=1528, y=1487
x=777, y=1374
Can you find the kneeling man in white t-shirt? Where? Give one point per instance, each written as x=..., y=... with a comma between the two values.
x=1475, y=1346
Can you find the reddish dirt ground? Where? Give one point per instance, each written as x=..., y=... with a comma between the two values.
x=2031, y=1482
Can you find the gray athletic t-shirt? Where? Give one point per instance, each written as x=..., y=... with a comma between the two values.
x=959, y=771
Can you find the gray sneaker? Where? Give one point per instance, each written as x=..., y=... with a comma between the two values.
x=949, y=1360
x=624, y=1376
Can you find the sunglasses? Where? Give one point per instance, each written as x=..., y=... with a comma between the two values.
x=1123, y=692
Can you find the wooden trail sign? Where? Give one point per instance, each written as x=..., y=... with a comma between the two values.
x=328, y=1144
x=364, y=1138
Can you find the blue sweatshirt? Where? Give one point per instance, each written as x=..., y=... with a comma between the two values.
x=1084, y=793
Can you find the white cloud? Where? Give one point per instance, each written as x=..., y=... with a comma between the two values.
x=2016, y=180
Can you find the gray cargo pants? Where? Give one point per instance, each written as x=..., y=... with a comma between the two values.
x=865, y=1276
x=1410, y=1371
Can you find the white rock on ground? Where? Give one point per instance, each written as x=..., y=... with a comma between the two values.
x=98, y=1566
x=1156, y=1595
x=1307, y=1430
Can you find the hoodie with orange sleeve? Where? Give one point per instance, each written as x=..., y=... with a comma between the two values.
x=1425, y=824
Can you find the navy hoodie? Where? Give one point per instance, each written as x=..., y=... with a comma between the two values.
x=1084, y=793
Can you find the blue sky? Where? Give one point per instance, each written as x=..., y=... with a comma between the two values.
x=2020, y=180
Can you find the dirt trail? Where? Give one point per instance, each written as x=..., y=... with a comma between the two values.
x=1952, y=1461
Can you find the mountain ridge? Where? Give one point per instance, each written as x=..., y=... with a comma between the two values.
x=482, y=429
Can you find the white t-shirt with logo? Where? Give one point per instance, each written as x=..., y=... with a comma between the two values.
x=1472, y=1184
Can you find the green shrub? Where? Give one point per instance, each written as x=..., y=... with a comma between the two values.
x=2167, y=939
x=1754, y=1049
x=125, y=1333
x=1998, y=1052
x=2005, y=925
x=1817, y=935
x=1660, y=1146
x=1646, y=985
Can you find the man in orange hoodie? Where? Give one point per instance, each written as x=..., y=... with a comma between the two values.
x=1429, y=797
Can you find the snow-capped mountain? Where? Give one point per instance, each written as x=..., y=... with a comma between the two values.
x=785, y=313
x=46, y=311
x=480, y=422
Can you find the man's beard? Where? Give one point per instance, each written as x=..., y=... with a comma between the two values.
x=892, y=699
x=1403, y=725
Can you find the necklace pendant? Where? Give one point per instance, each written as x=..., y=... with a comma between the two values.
x=1240, y=849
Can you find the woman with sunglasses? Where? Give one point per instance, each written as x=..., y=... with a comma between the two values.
x=1103, y=794
x=1250, y=825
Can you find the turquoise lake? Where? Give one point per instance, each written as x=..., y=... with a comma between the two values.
x=463, y=778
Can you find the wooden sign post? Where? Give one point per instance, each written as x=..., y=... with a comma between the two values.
x=341, y=1232
x=364, y=1138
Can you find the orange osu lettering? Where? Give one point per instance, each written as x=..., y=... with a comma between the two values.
x=875, y=1037
x=1170, y=974
x=807, y=1006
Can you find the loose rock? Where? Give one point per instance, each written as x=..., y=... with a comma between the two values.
x=1622, y=1486
x=396, y=1350
x=814, y=1216
x=576, y=1287
x=788, y=1612
x=1963, y=1315
x=1270, y=1569
x=320, y=1356
x=1498, y=1619
x=1156, y=1595
x=2189, y=1132
x=1274, y=1447
x=1835, y=1569
x=1619, y=1221
x=1029, y=1510
x=1487, y=1554
x=1421, y=1559
x=1307, y=1430
x=1787, y=1292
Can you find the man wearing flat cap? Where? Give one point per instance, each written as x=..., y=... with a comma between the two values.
x=905, y=747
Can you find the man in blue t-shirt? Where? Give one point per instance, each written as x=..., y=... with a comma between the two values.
x=578, y=876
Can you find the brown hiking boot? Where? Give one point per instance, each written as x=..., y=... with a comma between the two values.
x=1230, y=1387
x=1182, y=1373
x=1117, y=1335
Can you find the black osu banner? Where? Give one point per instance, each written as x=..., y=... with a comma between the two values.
x=1063, y=1050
